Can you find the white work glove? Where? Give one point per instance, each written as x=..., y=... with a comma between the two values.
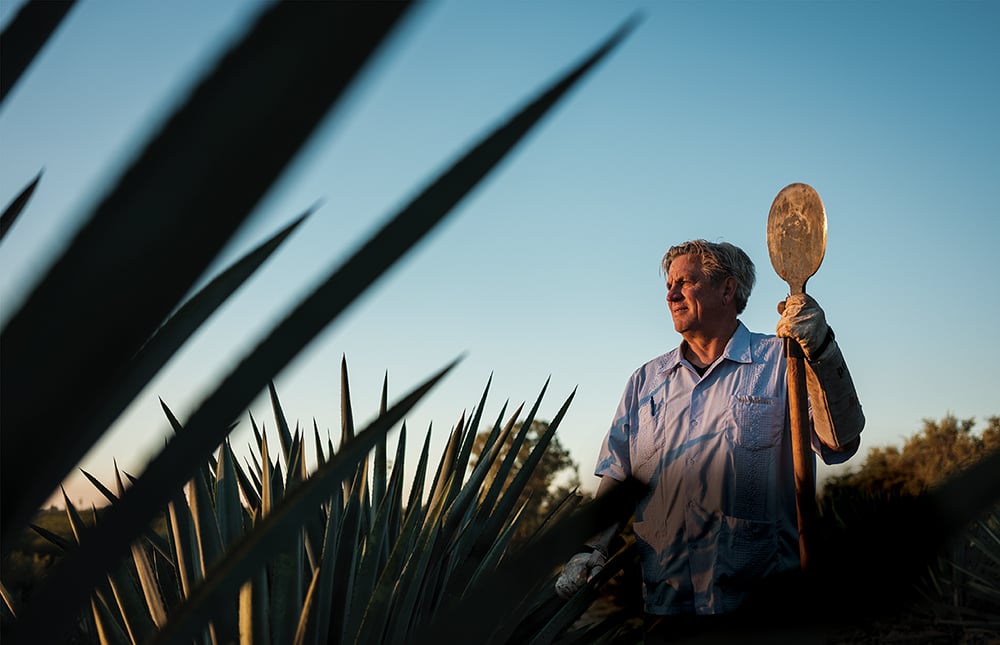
x=580, y=568
x=803, y=321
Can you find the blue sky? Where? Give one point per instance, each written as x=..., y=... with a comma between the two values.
x=551, y=267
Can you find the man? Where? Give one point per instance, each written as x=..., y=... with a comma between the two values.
x=705, y=426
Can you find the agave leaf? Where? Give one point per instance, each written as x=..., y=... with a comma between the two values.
x=327, y=581
x=372, y=561
x=380, y=471
x=249, y=487
x=320, y=457
x=461, y=565
x=517, y=486
x=415, y=506
x=267, y=479
x=255, y=626
x=121, y=275
x=396, y=489
x=24, y=37
x=131, y=609
x=295, y=468
x=17, y=205
x=228, y=509
x=7, y=604
x=183, y=544
x=285, y=575
x=446, y=466
x=284, y=434
x=412, y=584
x=109, y=632
x=351, y=546
x=66, y=589
x=56, y=539
x=101, y=488
x=346, y=410
x=376, y=614
x=76, y=523
x=490, y=499
x=150, y=588
x=275, y=530
x=463, y=458
x=309, y=611
x=493, y=556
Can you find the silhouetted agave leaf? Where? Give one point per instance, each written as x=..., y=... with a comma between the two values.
x=395, y=494
x=7, y=609
x=150, y=586
x=372, y=559
x=486, y=508
x=472, y=526
x=255, y=626
x=327, y=581
x=348, y=551
x=446, y=466
x=130, y=606
x=109, y=632
x=56, y=539
x=101, y=488
x=17, y=205
x=517, y=486
x=381, y=468
x=228, y=509
x=412, y=582
x=377, y=612
x=24, y=37
x=284, y=434
x=310, y=611
x=122, y=274
x=276, y=529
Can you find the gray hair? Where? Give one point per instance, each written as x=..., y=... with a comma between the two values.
x=718, y=261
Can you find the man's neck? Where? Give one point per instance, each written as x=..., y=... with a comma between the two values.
x=701, y=350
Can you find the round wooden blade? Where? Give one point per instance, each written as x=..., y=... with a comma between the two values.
x=796, y=234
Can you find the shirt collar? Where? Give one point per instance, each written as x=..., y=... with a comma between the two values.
x=737, y=350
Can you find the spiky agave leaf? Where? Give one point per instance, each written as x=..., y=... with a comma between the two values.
x=17, y=205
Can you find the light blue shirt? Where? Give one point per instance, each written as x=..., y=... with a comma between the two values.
x=716, y=453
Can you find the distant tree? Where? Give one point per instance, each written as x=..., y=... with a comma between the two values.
x=926, y=459
x=556, y=476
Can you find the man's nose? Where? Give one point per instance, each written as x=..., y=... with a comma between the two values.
x=673, y=293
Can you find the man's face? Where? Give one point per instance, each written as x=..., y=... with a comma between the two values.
x=696, y=305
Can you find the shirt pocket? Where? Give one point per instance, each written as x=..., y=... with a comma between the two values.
x=747, y=552
x=647, y=442
x=758, y=421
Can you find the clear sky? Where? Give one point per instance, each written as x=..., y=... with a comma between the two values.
x=551, y=267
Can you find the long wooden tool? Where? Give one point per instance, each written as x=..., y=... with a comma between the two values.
x=796, y=242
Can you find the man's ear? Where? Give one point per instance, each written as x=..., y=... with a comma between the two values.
x=729, y=289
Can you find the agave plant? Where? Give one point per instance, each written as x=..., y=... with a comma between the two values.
x=370, y=563
x=125, y=275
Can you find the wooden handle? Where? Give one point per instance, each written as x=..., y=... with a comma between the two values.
x=802, y=454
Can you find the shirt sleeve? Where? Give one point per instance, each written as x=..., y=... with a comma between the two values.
x=613, y=460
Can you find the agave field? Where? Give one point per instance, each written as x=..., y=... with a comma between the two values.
x=258, y=548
